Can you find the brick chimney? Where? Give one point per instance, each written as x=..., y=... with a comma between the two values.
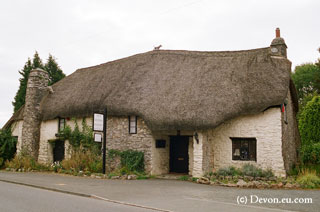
x=277, y=33
x=278, y=47
x=36, y=89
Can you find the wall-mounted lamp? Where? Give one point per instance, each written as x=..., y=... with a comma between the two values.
x=196, y=137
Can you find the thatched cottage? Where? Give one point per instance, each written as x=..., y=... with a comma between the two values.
x=188, y=111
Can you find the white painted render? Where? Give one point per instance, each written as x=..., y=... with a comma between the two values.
x=213, y=151
x=17, y=131
x=265, y=127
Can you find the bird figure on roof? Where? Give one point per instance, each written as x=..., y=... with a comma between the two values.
x=157, y=47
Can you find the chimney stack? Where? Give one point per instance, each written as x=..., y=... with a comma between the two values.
x=36, y=89
x=277, y=33
x=278, y=47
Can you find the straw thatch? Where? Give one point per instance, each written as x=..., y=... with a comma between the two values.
x=178, y=90
x=17, y=116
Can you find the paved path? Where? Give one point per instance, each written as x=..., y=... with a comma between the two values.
x=170, y=195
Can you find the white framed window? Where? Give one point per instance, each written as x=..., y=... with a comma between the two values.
x=61, y=124
x=133, y=124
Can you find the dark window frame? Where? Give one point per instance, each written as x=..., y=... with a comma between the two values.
x=136, y=124
x=247, y=148
x=59, y=124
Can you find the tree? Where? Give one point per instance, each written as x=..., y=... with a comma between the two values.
x=54, y=71
x=37, y=62
x=19, y=99
x=306, y=78
x=309, y=127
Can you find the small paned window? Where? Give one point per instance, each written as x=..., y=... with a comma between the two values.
x=132, y=124
x=62, y=124
x=244, y=149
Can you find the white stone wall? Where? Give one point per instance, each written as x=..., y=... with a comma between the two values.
x=197, y=169
x=190, y=152
x=265, y=127
x=48, y=130
x=160, y=156
x=17, y=131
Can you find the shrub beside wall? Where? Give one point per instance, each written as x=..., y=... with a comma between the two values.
x=7, y=146
x=309, y=127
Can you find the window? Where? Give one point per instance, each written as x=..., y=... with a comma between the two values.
x=244, y=149
x=62, y=124
x=132, y=124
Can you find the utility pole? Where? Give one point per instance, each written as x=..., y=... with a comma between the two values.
x=104, y=144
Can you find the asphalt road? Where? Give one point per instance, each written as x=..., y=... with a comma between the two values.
x=170, y=195
x=18, y=198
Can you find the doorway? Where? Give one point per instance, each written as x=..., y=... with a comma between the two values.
x=179, y=157
x=58, y=151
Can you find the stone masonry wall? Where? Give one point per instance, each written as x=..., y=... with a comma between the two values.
x=290, y=136
x=160, y=156
x=47, y=132
x=265, y=127
x=190, y=152
x=118, y=138
x=197, y=169
x=36, y=88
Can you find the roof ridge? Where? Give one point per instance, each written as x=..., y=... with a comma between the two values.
x=181, y=52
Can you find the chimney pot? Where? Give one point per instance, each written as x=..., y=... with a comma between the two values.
x=277, y=33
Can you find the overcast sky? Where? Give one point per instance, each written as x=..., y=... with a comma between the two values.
x=82, y=33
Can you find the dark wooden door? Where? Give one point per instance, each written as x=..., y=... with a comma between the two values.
x=58, y=151
x=179, y=158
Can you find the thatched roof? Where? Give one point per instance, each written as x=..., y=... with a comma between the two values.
x=178, y=90
x=18, y=115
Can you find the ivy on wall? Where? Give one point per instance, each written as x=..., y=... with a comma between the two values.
x=130, y=159
x=81, y=139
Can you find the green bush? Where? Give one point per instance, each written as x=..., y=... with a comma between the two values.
x=311, y=153
x=251, y=170
x=246, y=169
x=308, y=179
x=184, y=178
x=131, y=160
x=228, y=171
x=7, y=146
x=81, y=139
x=134, y=160
x=26, y=162
x=309, y=127
x=83, y=160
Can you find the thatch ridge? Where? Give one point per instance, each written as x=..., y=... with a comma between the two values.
x=175, y=89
